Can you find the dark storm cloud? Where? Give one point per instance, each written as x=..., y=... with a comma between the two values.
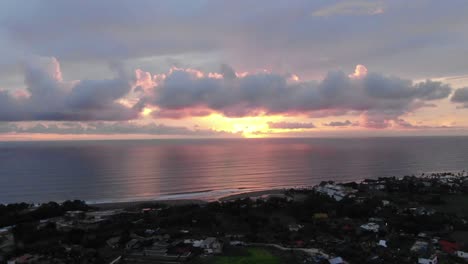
x=290, y=125
x=48, y=97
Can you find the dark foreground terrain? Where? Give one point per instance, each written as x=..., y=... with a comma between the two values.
x=389, y=220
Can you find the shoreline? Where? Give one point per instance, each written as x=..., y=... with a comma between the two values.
x=205, y=197
x=224, y=198
x=178, y=202
x=122, y=205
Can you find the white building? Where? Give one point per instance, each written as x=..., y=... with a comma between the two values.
x=382, y=243
x=371, y=227
x=295, y=227
x=430, y=260
x=337, y=192
x=462, y=254
x=211, y=245
x=337, y=260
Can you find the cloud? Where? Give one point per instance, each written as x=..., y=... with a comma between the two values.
x=283, y=35
x=290, y=125
x=461, y=96
x=49, y=97
x=379, y=98
x=401, y=123
x=340, y=123
x=182, y=93
x=107, y=128
x=351, y=7
x=180, y=114
x=359, y=72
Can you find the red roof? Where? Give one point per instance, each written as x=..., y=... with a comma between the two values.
x=449, y=247
x=299, y=243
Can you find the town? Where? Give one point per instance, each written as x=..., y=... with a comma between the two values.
x=412, y=219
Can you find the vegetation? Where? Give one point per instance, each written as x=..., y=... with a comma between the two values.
x=254, y=256
x=12, y=214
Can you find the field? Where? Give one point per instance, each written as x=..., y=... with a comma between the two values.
x=253, y=256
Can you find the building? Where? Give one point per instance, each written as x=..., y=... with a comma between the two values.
x=337, y=192
x=295, y=227
x=7, y=243
x=449, y=246
x=371, y=227
x=420, y=246
x=428, y=260
x=210, y=245
x=462, y=254
x=382, y=243
x=337, y=260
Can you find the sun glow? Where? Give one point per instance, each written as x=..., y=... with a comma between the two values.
x=146, y=111
x=249, y=127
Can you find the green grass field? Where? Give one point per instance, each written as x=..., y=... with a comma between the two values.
x=254, y=256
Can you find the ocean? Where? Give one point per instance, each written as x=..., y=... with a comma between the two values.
x=134, y=170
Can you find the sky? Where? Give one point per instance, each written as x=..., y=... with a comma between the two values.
x=205, y=68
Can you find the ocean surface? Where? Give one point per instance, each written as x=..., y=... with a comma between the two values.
x=131, y=170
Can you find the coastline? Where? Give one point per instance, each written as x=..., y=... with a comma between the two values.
x=228, y=197
x=121, y=205
x=178, y=202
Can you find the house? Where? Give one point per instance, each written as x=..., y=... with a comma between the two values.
x=422, y=211
x=428, y=260
x=462, y=254
x=211, y=245
x=237, y=243
x=101, y=215
x=113, y=242
x=371, y=227
x=377, y=187
x=6, y=241
x=382, y=243
x=132, y=244
x=26, y=258
x=420, y=246
x=448, y=246
x=337, y=260
x=295, y=227
x=337, y=192
x=75, y=214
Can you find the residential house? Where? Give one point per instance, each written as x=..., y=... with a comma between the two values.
x=211, y=245
x=371, y=227
x=337, y=260
x=462, y=254
x=420, y=246
x=428, y=260
x=337, y=192
x=295, y=227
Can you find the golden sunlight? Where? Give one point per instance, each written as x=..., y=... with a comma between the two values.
x=146, y=111
x=249, y=127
